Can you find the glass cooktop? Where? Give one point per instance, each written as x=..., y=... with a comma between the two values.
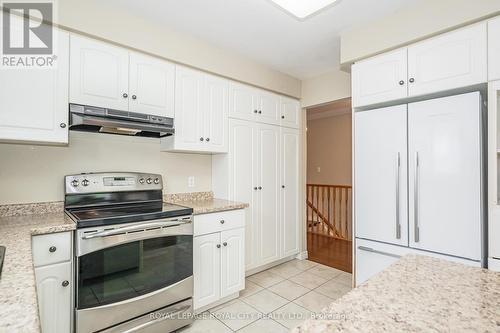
x=125, y=213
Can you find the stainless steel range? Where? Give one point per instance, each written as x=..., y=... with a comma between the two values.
x=134, y=254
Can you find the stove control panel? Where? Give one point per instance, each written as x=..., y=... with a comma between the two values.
x=112, y=182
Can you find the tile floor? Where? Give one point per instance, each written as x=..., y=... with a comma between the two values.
x=276, y=300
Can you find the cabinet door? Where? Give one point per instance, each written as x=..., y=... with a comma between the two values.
x=494, y=49
x=380, y=79
x=243, y=102
x=243, y=179
x=98, y=74
x=54, y=297
x=380, y=187
x=216, y=113
x=290, y=188
x=151, y=84
x=34, y=102
x=232, y=261
x=291, y=114
x=453, y=60
x=206, y=269
x=444, y=147
x=373, y=258
x=269, y=108
x=269, y=193
x=188, y=119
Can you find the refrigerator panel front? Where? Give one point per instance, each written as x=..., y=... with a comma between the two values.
x=444, y=164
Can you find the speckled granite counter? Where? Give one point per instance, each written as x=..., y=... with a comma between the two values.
x=18, y=302
x=203, y=202
x=417, y=294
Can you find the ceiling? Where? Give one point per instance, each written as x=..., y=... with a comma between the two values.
x=264, y=32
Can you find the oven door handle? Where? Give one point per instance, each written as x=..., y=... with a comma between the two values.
x=143, y=226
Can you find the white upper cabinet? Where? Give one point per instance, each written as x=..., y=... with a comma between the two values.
x=379, y=79
x=216, y=113
x=268, y=108
x=201, y=113
x=291, y=114
x=494, y=49
x=243, y=101
x=453, y=60
x=98, y=74
x=34, y=102
x=151, y=85
x=380, y=175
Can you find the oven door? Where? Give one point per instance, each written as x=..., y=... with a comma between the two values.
x=127, y=271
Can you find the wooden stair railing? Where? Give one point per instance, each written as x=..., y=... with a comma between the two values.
x=329, y=210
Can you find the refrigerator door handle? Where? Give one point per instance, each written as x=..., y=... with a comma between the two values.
x=398, y=175
x=415, y=200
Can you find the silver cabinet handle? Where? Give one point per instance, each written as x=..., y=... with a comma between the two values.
x=65, y=283
x=398, y=175
x=369, y=249
x=415, y=199
x=144, y=226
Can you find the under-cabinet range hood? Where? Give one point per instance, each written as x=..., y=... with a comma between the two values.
x=95, y=119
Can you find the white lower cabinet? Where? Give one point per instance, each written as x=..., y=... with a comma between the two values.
x=218, y=257
x=54, y=283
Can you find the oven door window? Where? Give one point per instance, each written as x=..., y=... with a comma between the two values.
x=126, y=271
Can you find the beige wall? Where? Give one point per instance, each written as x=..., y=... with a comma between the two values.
x=329, y=147
x=35, y=173
x=96, y=18
x=326, y=88
x=419, y=21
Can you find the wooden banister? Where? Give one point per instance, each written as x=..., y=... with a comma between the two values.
x=329, y=210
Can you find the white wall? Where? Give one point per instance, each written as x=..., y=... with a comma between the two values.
x=35, y=173
x=422, y=20
x=96, y=18
x=326, y=88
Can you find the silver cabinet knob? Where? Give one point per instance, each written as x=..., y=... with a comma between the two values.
x=282, y=117
x=255, y=188
x=222, y=221
x=260, y=111
x=62, y=125
x=411, y=80
x=201, y=139
x=207, y=139
x=125, y=95
x=218, y=246
x=65, y=283
x=255, y=111
x=401, y=82
x=134, y=97
x=260, y=187
x=52, y=249
x=225, y=243
x=282, y=186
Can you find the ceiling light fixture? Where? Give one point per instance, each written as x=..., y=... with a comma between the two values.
x=303, y=9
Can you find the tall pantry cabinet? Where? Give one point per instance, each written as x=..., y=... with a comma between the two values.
x=262, y=169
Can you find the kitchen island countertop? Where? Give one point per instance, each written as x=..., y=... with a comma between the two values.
x=417, y=294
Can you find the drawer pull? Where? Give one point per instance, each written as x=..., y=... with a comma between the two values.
x=369, y=249
x=222, y=221
x=65, y=283
x=52, y=249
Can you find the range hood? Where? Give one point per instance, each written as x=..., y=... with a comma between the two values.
x=94, y=119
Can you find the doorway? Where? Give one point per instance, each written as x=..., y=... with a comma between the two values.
x=329, y=184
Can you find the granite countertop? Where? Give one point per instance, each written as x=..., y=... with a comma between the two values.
x=203, y=202
x=18, y=301
x=417, y=294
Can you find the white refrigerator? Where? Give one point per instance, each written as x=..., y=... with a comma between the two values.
x=418, y=182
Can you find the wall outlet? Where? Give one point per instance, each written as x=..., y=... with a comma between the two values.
x=318, y=169
x=191, y=181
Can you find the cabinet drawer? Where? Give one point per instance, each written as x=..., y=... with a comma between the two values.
x=51, y=248
x=215, y=222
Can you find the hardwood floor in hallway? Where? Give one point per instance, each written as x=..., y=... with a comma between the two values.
x=330, y=251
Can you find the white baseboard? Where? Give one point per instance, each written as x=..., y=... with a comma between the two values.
x=302, y=255
x=255, y=270
x=217, y=303
x=494, y=264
